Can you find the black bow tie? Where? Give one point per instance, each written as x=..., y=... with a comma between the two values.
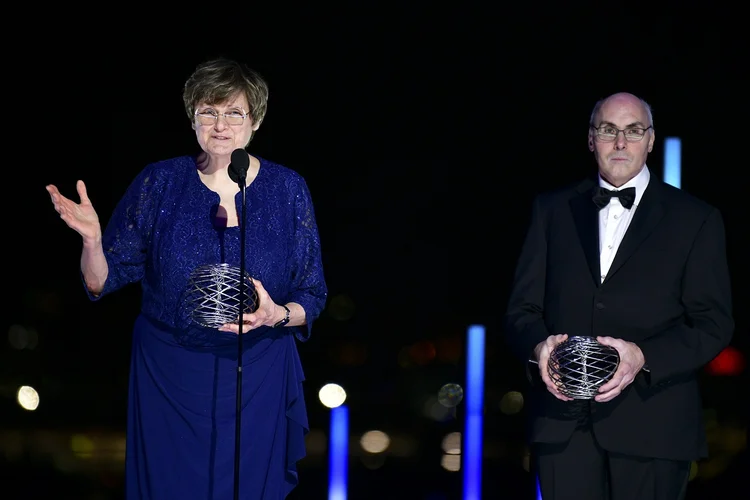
x=602, y=196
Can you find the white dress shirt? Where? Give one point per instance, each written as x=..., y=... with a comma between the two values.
x=614, y=219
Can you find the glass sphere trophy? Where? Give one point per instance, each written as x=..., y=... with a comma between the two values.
x=213, y=296
x=580, y=365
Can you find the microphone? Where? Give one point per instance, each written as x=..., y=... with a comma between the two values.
x=238, y=173
x=238, y=166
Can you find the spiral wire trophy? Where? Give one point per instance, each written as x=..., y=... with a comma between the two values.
x=213, y=295
x=580, y=365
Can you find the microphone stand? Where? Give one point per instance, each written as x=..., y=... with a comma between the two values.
x=238, y=415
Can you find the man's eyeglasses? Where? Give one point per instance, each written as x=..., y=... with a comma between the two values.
x=211, y=116
x=608, y=133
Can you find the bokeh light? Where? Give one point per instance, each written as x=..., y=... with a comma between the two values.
x=341, y=307
x=511, y=403
x=332, y=395
x=450, y=395
x=375, y=441
x=28, y=398
x=21, y=337
x=452, y=443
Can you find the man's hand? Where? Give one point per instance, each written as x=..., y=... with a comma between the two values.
x=631, y=362
x=541, y=353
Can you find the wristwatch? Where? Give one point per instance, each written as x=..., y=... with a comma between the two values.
x=285, y=320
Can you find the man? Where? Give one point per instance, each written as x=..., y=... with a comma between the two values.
x=641, y=266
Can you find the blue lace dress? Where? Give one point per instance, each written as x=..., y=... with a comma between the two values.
x=182, y=391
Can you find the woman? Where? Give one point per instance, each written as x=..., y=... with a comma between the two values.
x=178, y=218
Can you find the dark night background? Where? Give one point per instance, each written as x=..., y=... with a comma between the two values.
x=423, y=135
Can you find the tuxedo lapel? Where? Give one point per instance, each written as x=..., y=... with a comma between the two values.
x=586, y=218
x=648, y=214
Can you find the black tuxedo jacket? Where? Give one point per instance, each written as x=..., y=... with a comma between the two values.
x=667, y=290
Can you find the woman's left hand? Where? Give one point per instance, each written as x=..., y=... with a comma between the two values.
x=267, y=313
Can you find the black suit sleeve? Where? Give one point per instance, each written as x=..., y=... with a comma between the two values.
x=706, y=296
x=524, y=323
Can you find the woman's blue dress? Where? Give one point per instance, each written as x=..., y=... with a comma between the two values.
x=182, y=392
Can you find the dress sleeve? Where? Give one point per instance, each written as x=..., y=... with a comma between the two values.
x=126, y=238
x=308, y=287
